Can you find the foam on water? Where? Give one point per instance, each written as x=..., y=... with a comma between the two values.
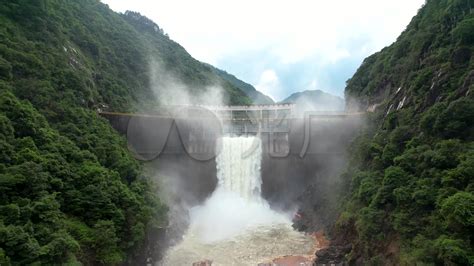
x=235, y=225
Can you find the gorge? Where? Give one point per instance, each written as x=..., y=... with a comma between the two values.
x=83, y=89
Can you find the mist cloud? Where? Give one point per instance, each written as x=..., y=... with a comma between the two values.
x=169, y=90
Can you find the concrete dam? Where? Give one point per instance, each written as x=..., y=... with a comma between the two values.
x=297, y=150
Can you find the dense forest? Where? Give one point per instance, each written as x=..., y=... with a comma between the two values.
x=69, y=189
x=411, y=175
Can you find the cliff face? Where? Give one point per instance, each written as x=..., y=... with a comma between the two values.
x=410, y=177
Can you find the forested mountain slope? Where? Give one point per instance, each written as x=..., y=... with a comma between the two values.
x=411, y=176
x=256, y=96
x=69, y=189
x=315, y=100
x=171, y=59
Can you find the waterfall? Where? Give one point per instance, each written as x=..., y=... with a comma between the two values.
x=236, y=204
x=238, y=167
x=235, y=225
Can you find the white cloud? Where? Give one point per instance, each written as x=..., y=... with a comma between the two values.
x=313, y=85
x=288, y=31
x=269, y=84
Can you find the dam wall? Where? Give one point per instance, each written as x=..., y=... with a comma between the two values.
x=296, y=152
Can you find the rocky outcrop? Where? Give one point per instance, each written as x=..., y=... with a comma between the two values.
x=332, y=255
x=317, y=210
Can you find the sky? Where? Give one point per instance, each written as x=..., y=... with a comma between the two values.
x=280, y=47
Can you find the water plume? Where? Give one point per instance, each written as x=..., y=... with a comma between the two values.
x=235, y=225
x=236, y=205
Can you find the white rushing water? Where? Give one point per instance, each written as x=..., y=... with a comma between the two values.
x=235, y=225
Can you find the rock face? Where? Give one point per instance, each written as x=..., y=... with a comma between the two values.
x=332, y=255
x=316, y=209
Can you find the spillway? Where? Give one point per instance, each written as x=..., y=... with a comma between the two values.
x=235, y=225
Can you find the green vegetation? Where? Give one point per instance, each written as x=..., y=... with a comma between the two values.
x=411, y=175
x=63, y=203
x=256, y=96
x=70, y=192
x=315, y=100
x=171, y=57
